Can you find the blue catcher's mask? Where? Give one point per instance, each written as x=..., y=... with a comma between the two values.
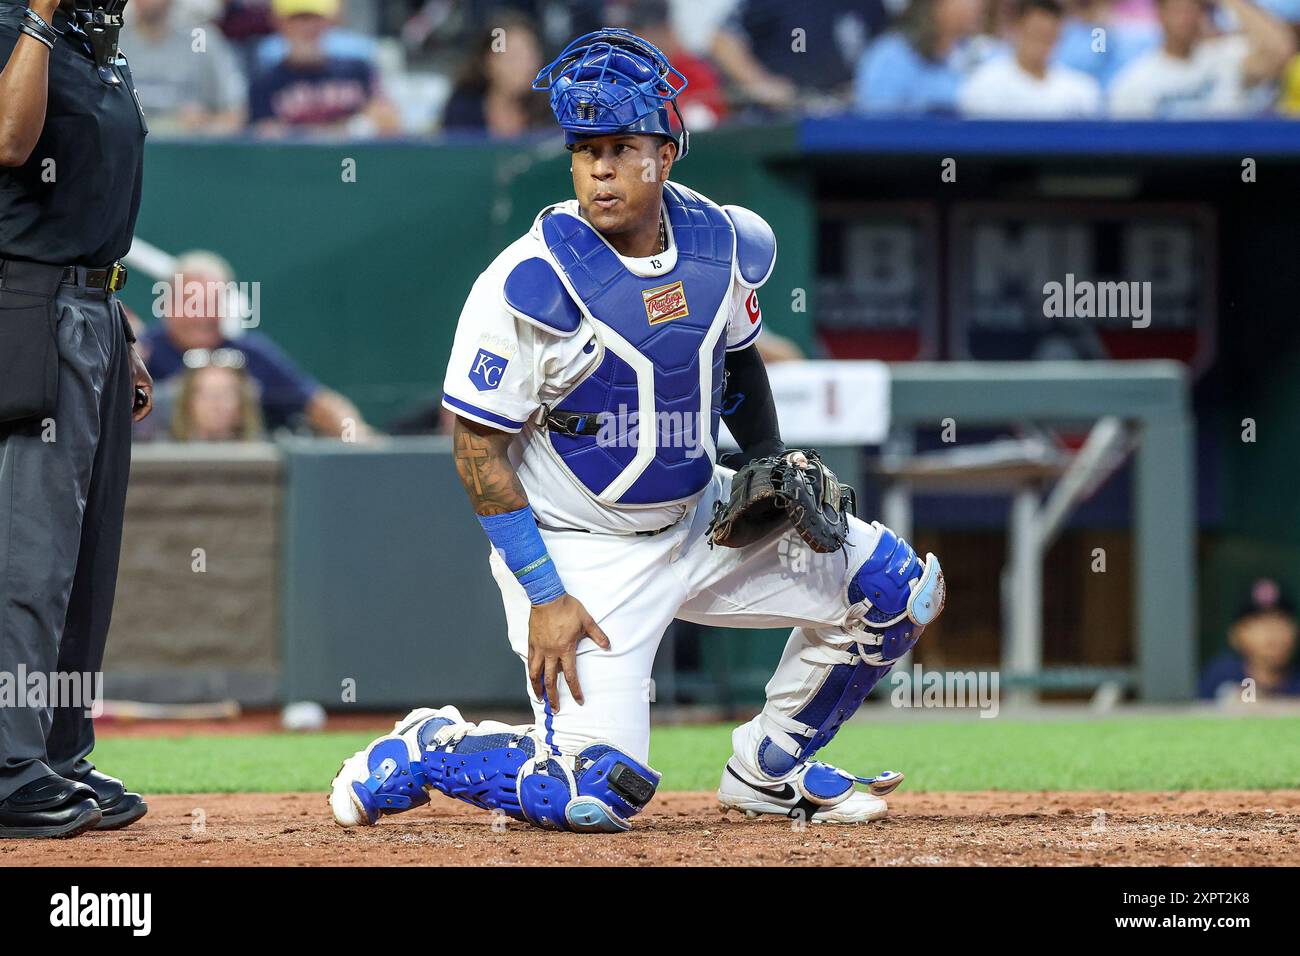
x=612, y=81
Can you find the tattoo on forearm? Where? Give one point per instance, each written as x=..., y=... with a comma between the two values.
x=485, y=470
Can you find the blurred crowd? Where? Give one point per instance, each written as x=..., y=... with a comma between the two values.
x=366, y=68
x=209, y=387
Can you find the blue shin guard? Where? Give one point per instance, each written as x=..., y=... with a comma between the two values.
x=506, y=769
x=893, y=595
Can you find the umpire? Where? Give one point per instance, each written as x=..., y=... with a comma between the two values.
x=71, y=161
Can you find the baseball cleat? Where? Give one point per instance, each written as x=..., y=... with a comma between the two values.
x=387, y=776
x=815, y=792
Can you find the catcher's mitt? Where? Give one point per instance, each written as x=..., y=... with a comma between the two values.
x=769, y=493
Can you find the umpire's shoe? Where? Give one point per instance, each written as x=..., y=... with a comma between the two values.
x=52, y=806
x=119, y=806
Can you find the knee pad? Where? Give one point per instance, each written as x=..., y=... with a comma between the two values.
x=498, y=767
x=609, y=788
x=893, y=596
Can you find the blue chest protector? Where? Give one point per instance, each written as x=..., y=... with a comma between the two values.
x=656, y=393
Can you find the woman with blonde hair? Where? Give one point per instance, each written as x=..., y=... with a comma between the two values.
x=217, y=402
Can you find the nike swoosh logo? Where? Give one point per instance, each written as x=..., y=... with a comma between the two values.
x=785, y=793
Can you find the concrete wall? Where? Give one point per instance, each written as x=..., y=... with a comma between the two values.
x=196, y=616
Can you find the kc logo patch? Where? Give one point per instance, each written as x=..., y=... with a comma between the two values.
x=487, y=370
x=665, y=303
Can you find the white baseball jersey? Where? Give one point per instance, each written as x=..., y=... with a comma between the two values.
x=518, y=356
x=503, y=370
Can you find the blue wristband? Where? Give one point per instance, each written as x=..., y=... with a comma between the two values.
x=516, y=537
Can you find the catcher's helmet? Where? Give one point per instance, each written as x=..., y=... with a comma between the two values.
x=612, y=81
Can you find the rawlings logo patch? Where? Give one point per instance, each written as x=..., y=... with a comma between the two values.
x=751, y=307
x=665, y=303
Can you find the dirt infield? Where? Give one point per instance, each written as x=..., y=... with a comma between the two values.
x=927, y=829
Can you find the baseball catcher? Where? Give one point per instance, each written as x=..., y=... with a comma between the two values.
x=593, y=364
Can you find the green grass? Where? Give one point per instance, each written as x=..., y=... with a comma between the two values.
x=1124, y=753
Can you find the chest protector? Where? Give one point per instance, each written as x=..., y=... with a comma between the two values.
x=643, y=423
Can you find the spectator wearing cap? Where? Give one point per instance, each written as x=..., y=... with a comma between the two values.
x=1261, y=648
x=919, y=67
x=312, y=91
x=186, y=76
x=1025, y=84
x=183, y=340
x=1198, y=72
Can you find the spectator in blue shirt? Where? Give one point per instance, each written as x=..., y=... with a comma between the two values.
x=1095, y=42
x=1261, y=648
x=193, y=338
x=310, y=90
x=919, y=67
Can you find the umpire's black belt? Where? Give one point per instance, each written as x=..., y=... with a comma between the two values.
x=112, y=279
x=109, y=279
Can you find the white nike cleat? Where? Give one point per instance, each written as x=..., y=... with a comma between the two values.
x=815, y=792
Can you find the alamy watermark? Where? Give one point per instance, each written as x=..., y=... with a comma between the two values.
x=41, y=690
x=179, y=297
x=923, y=688
x=622, y=429
x=1084, y=299
x=76, y=908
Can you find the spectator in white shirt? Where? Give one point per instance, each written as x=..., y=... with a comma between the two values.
x=1026, y=84
x=1198, y=73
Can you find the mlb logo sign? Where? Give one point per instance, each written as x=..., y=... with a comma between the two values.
x=487, y=370
x=665, y=303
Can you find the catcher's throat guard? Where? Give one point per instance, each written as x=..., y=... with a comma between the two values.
x=101, y=22
x=612, y=81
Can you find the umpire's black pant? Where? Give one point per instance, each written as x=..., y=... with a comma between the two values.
x=62, y=494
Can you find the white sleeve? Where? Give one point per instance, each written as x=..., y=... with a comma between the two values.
x=490, y=377
x=973, y=97
x=1090, y=100
x=746, y=318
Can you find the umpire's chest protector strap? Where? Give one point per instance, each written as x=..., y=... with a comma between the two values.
x=755, y=246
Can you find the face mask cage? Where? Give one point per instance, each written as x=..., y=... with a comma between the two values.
x=612, y=81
